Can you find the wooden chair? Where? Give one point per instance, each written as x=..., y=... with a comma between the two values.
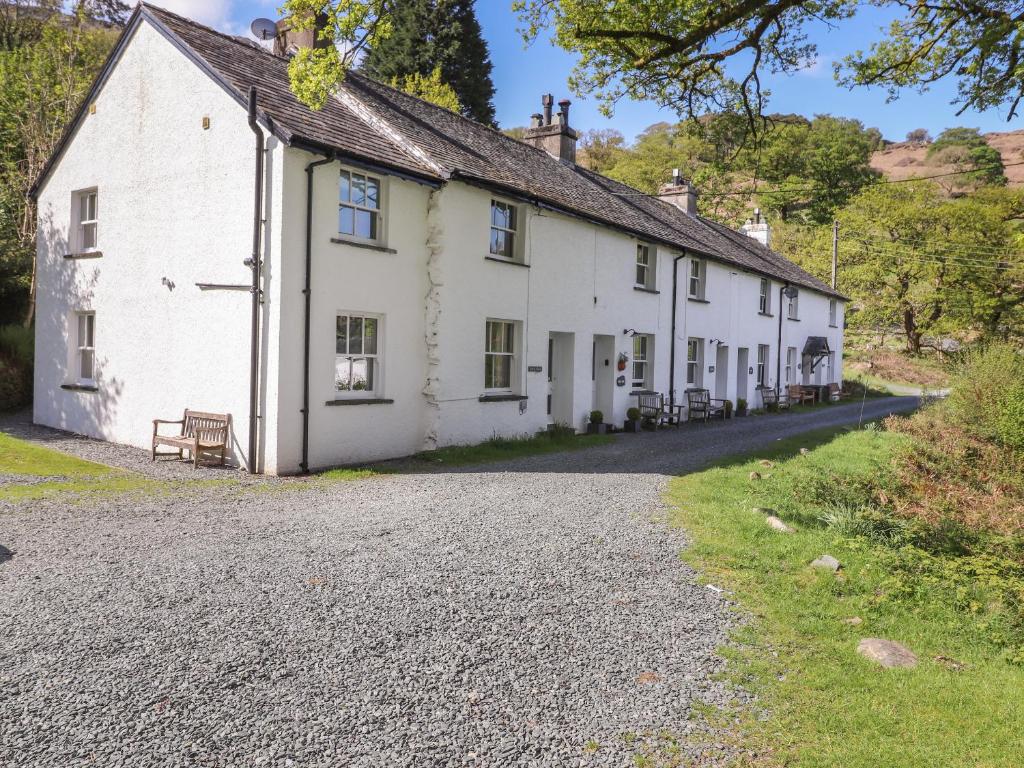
x=770, y=399
x=835, y=392
x=799, y=394
x=653, y=409
x=699, y=403
x=199, y=432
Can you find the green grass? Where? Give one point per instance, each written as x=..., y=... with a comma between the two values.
x=828, y=706
x=18, y=457
x=505, y=448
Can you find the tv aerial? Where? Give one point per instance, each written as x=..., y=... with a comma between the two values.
x=263, y=29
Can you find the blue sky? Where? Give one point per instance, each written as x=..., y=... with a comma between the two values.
x=522, y=74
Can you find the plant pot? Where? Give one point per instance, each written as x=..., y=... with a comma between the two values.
x=597, y=429
x=630, y=425
x=740, y=411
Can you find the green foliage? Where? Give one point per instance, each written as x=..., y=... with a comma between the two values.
x=561, y=438
x=431, y=35
x=16, y=360
x=633, y=413
x=967, y=149
x=596, y=417
x=430, y=88
x=987, y=393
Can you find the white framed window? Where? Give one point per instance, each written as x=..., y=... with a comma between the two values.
x=504, y=230
x=500, y=355
x=790, y=366
x=357, y=358
x=762, y=365
x=642, y=352
x=698, y=273
x=86, y=221
x=85, y=357
x=694, y=362
x=359, y=206
x=793, y=306
x=645, y=266
x=833, y=311
x=764, y=301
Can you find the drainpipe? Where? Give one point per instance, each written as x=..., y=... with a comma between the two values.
x=672, y=345
x=307, y=292
x=778, y=347
x=255, y=264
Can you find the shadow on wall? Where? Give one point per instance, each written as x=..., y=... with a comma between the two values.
x=69, y=286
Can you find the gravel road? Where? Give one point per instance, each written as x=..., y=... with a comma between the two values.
x=534, y=613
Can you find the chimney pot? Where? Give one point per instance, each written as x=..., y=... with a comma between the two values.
x=552, y=132
x=536, y=120
x=546, y=101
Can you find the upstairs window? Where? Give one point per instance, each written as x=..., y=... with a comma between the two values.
x=499, y=355
x=793, y=307
x=694, y=362
x=359, y=206
x=832, y=312
x=86, y=356
x=641, y=361
x=504, y=223
x=357, y=355
x=697, y=278
x=86, y=221
x=645, y=266
x=764, y=302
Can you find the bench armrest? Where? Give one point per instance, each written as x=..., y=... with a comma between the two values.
x=168, y=421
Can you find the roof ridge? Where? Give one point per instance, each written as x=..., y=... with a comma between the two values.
x=230, y=38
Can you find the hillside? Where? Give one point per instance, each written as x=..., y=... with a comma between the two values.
x=904, y=159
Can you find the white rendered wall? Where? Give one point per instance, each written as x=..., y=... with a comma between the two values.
x=175, y=209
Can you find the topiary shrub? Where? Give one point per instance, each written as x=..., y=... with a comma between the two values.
x=633, y=414
x=596, y=417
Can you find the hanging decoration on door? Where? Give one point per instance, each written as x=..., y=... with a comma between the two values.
x=623, y=359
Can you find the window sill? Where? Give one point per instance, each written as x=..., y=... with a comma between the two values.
x=511, y=262
x=698, y=301
x=642, y=289
x=367, y=246
x=793, y=319
x=504, y=398
x=832, y=325
x=360, y=401
x=636, y=392
x=84, y=255
x=80, y=387
x=766, y=314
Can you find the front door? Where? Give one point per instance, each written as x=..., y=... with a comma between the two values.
x=722, y=372
x=742, y=362
x=604, y=373
x=560, y=378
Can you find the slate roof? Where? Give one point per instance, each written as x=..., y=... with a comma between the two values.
x=379, y=125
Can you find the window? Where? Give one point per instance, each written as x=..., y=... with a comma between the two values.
x=762, y=365
x=504, y=220
x=644, y=266
x=832, y=312
x=499, y=355
x=764, y=305
x=357, y=355
x=793, y=308
x=694, y=362
x=86, y=347
x=87, y=220
x=790, y=366
x=697, y=274
x=641, y=361
x=359, y=206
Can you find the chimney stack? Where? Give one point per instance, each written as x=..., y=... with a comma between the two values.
x=288, y=41
x=680, y=193
x=553, y=136
x=758, y=229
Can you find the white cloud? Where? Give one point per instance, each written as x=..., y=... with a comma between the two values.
x=819, y=67
x=213, y=13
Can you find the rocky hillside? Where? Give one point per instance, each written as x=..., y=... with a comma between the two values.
x=901, y=160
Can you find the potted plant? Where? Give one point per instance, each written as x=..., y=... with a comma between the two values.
x=596, y=425
x=632, y=422
x=728, y=408
x=741, y=407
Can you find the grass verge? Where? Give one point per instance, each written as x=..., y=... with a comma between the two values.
x=961, y=706
x=506, y=448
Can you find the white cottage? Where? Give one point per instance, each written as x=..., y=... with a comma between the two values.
x=421, y=280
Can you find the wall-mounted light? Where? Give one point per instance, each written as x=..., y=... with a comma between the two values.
x=629, y=332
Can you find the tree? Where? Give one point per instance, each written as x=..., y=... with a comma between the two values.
x=438, y=35
x=967, y=150
x=599, y=149
x=919, y=136
x=430, y=88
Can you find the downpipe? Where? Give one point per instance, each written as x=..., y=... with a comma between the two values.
x=255, y=264
x=307, y=293
x=672, y=344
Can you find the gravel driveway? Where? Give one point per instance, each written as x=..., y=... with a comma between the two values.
x=534, y=613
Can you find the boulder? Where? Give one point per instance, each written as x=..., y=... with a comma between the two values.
x=755, y=475
x=804, y=451
x=777, y=524
x=827, y=562
x=887, y=653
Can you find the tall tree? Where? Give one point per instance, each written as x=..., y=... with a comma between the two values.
x=427, y=35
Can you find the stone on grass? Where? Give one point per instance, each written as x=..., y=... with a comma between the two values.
x=804, y=451
x=777, y=524
x=755, y=475
x=766, y=463
x=827, y=562
x=888, y=653
x=854, y=621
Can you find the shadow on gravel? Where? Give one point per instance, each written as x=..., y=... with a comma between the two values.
x=5, y=554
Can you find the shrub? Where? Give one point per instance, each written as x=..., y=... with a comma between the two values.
x=741, y=404
x=633, y=414
x=16, y=350
x=596, y=417
x=986, y=395
x=17, y=342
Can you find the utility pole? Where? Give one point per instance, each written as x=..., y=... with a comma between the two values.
x=835, y=253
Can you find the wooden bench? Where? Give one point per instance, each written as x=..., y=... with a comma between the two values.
x=199, y=432
x=653, y=409
x=700, y=403
x=799, y=394
x=835, y=392
x=771, y=400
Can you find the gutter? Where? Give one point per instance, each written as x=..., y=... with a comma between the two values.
x=255, y=264
x=307, y=292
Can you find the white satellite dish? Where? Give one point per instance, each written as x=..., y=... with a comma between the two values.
x=263, y=29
